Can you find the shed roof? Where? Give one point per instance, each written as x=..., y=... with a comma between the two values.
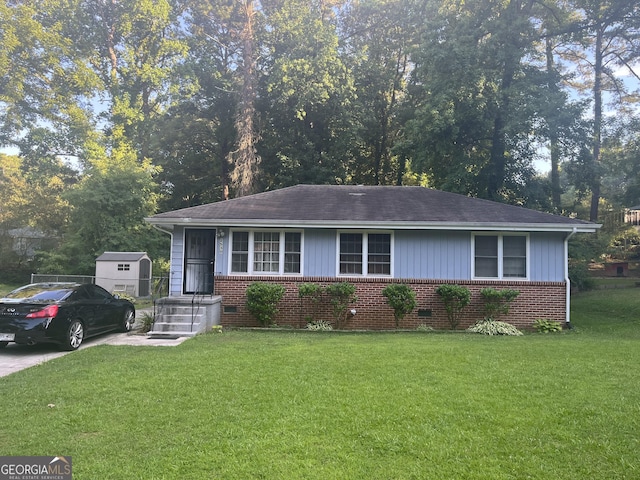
x=343, y=206
x=121, y=256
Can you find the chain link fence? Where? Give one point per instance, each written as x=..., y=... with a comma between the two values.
x=45, y=278
x=159, y=285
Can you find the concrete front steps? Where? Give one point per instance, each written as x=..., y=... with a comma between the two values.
x=185, y=316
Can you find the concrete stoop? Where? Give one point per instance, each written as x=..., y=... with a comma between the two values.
x=185, y=316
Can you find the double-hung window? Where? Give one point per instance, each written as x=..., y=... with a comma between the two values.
x=500, y=256
x=364, y=253
x=266, y=252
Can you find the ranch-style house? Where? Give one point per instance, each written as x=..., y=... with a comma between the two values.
x=371, y=236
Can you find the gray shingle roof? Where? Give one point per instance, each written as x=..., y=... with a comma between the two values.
x=121, y=256
x=344, y=205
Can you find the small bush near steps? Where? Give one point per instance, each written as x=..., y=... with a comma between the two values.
x=147, y=319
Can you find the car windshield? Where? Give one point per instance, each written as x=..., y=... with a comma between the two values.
x=40, y=293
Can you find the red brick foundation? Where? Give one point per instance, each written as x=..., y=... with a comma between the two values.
x=545, y=300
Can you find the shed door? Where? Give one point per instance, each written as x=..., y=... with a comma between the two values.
x=144, y=289
x=199, y=260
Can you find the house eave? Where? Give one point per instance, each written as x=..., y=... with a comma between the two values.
x=167, y=224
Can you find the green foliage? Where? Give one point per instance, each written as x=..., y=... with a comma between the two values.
x=625, y=244
x=341, y=295
x=262, y=301
x=497, y=302
x=401, y=298
x=147, y=319
x=319, y=326
x=455, y=298
x=308, y=96
x=424, y=328
x=312, y=294
x=579, y=275
x=588, y=248
x=311, y=290
x=217, y=329
x=124, y=296
x=344, y=92
x=542, y=325
x=493, y=327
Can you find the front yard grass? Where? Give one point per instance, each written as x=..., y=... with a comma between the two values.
x=287, y=405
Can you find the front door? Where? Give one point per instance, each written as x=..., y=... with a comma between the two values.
x=199, y=258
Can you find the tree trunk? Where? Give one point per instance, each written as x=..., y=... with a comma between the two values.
x=552, y=122
x=245, y=158
x=597, y=126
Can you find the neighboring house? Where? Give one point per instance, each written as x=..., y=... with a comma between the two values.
x=371, y=236
x=128, y=272
x=27, y=241
x=632, y=215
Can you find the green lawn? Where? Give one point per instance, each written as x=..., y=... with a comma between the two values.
x=293, y=405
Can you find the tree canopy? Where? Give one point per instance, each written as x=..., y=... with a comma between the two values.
x=111, y=111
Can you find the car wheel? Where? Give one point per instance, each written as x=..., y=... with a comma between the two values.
x=128, y=320
x=3, y=344
x=75, y=336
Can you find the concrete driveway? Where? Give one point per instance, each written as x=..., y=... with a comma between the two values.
x=18, y=357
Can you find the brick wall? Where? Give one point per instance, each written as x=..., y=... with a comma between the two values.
x=544, y=300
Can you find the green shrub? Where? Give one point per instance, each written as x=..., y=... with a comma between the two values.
x=147, y=320
x=312, y=292
x=497, y=302
x=547, y=326
x=319, y=326
x=493, y=327
x=262, y=301
x=455, y=298
x=124, y=296
x=341, y=295
x=401, y=298
x=579, y=275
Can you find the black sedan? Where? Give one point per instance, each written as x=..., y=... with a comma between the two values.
x=62, y=313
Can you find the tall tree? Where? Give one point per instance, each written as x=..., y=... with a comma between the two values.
x=245, y=158
x=475, y=97
x=377, y=37
x=135, y=48
x=610, y=29
x=44, y=80
x=109, y=205
x=307, y=95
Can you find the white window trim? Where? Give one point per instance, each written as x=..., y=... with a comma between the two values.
x=500, y=256
x=365, y=254
x=250, y=271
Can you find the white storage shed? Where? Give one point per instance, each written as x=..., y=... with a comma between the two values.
x=128, y=272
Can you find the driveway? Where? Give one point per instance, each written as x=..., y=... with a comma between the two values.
x=18, y=357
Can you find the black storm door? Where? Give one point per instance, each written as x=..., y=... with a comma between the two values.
x=199, y=258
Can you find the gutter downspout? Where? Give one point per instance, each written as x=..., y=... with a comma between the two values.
x=170, y=233
x=566, y=278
